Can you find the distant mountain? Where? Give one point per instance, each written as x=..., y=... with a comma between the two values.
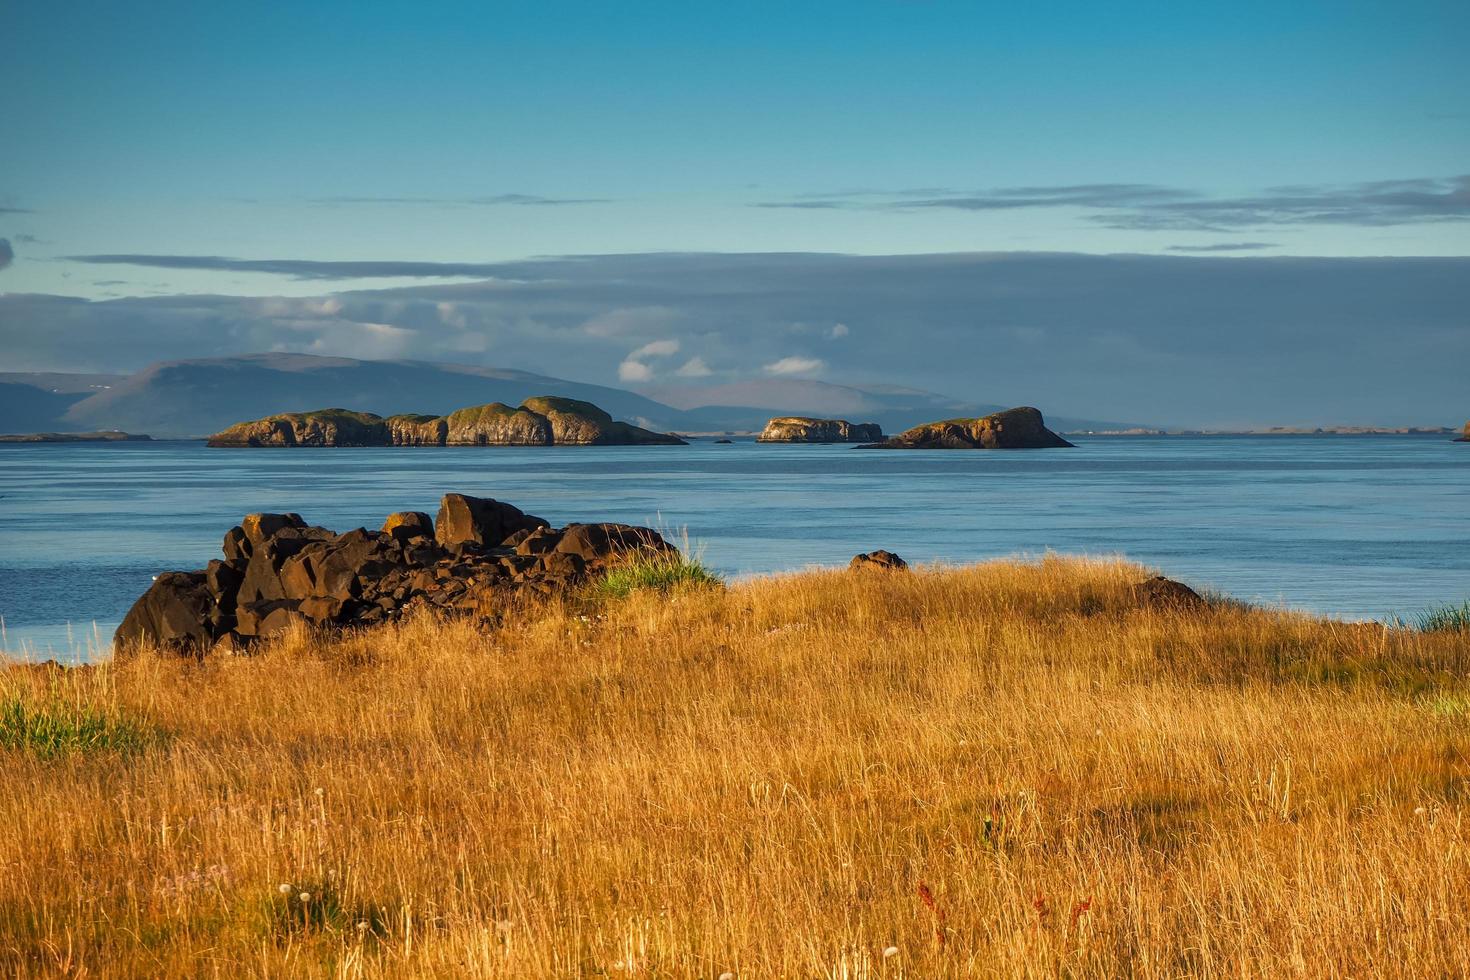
x=195, y=398
x=37, y=402
x=746, y=405
x=177, y=399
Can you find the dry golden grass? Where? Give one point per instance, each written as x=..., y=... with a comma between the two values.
x=766, y=781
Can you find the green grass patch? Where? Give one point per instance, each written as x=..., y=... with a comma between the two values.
x=663, y=572
x=1444, y=619
x=53, y=728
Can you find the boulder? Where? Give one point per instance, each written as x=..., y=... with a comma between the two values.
x=409, y=525
x=599, y=542
x=479, y=520
x=174, y=613
x=878, y=561
x=579, y=423
x=1015, y=428
x=797, y=428
x=1165, y=593
x=260, y=527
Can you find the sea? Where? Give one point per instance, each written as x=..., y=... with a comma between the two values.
x=1357, y=527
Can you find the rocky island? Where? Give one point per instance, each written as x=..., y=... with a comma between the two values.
x=1015, y=428
x=75, y=437
x=797, y=428
x=478, y=556
x=541, y=421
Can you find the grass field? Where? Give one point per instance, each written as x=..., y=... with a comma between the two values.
x=995, y=771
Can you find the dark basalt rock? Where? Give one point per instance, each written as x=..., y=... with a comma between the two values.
x=174, y=613
x=480, y=521
x=878, y=561
x=279, y=572
x=1015, y=428
x=1165, y=593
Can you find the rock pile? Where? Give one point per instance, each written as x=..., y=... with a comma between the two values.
x=278, y=570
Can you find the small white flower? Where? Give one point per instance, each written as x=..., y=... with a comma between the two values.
x=1419, y=811
x=319, y=792
x=727, y=975
x=304, y=896
x=890, y=952
x=284, y=888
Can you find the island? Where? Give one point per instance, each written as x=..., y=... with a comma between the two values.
x=540, y=421
x=799, y=428
x=76, y=437
x=1015, y=428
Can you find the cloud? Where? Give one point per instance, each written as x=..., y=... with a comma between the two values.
x=1152, y=207
x=16, y=211
x=794, y=366
x=634, y=371
x=523, y=200
x=7, y=254
x=657, y=348
x=1174, y=338
x=299, y=268
x=838, y=330
x=1224, y=247
x=694, y=368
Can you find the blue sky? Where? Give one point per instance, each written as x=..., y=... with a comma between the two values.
x=141, y=143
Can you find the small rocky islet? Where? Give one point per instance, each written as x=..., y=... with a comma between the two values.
x=800, y=428
x=540, y=421
x=1015, y=428
x=475, y=558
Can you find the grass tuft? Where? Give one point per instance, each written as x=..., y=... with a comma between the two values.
x=1445, y=619
x=50, y=728
x=664, y=572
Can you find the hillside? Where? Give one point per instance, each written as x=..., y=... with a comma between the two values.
x=997, y=771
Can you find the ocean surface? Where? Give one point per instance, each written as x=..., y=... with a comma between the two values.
x=1361, y=527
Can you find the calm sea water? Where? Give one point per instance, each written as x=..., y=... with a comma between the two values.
x=1352, y=526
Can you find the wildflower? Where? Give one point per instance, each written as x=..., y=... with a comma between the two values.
x=727, y=975
x=304, y=896
x=284, y=888
x=319, y=792
x=890, y=952
x=1419, y=811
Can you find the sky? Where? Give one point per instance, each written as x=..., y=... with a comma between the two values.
x=240, y=160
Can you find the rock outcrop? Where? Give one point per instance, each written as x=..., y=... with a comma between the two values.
x=1165, y=593
x=540, y=421
x=796, y=428
x=277, y=570
x=878, y=561
x=1015, y=428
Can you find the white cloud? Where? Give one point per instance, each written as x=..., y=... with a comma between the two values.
x=657, y=348
x=794, y=365
x=838, y=330
x=631, y=370
x=631, y=320
x=694, y=368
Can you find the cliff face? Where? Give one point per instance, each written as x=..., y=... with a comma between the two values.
x=328, y=427
x=541, y=421
x=1015, y=428
x=796, y=428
